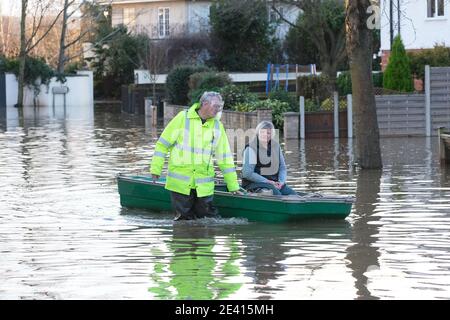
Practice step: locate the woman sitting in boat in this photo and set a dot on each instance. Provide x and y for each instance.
(263, 164)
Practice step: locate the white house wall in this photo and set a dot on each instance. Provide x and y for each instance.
(12, 89)
(81, 91)
(417, 30)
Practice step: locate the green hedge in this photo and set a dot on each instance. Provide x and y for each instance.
(177, 82)
(344, 82)
(283, 96)
(233, 95)
(35, 69)
(206, 81)
(277, 107)
(439, 56)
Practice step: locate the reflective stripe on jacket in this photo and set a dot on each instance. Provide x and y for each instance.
(192, 146)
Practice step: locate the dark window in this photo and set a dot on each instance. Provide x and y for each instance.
(435, 8)
(441, 11)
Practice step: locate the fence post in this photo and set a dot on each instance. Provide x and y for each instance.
(302, 117)
(290, 125)
(427, 102)
(349, 116)
(336, 114)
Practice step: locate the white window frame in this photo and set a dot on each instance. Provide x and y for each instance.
(435, 14)
(163, 22)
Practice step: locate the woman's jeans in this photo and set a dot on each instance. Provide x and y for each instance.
(285, 190)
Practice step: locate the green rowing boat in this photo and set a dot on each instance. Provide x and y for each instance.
(143, 192)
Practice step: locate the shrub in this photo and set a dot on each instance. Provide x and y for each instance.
(177, 82)
(328, 105)
(377, 79)
(398, 72)
(311, 105)
(9, 65)
(313, 87)
(37, 72)
(242, 36)
(277, 107)
(116, 60)
(72, 68)
(344, 82)
(206, 81)
(439, 56)
(234, 95)
(283, 96)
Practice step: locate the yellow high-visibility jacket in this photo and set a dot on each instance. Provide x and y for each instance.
(192, 147)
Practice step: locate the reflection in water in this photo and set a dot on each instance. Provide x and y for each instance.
(193, 265)
(363, 255)
(63, 234)
(289, 253)
(2, 118)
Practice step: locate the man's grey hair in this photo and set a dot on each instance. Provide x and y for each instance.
(209, 96)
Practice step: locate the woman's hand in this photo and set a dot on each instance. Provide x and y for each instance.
(279, 185)
(276, 184)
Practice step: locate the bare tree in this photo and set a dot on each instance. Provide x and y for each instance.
(36, 35)
(328, 38)
(62, 40)
(22, 53)
(70, 7)
(155, 60)
(9, 40)
(359, 48)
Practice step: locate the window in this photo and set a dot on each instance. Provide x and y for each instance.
(435, 8)
(129, 17)
(163, 22)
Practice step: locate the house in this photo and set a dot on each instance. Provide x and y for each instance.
(168, 18)
(421, 24)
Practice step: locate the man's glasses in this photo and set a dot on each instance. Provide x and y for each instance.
(217, 106)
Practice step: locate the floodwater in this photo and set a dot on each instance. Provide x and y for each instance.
(64, 235)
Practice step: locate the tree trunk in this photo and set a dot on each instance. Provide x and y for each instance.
(154, 92)
(62, 40)
(359, 48)
(329, 70)
(22, 55)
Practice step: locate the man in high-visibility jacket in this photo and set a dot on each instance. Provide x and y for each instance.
(193, 138)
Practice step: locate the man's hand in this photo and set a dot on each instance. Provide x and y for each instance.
(237, 192)
(155, 177)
